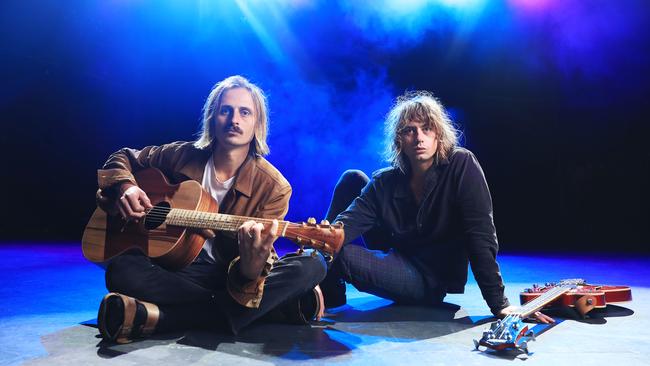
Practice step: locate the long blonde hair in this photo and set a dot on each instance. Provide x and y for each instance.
(419, 106)
(213, 103)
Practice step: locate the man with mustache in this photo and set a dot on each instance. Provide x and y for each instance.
(426, 217)
(234, 280)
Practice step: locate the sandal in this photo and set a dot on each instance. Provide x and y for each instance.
(123, 329)
(312, 305)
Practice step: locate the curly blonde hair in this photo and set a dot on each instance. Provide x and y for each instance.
(213, 103)
(419, 106)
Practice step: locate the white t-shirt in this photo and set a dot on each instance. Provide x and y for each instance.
(217, 190)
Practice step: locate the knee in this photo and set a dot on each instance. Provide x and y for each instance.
(315, 267)
(349, 252)
(309, 268)
(346, 260)
(119, 274)
(352, 179)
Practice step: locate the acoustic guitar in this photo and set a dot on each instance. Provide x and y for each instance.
(512, 333)
(165, 233)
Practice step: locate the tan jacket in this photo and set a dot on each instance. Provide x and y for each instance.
(260, 190)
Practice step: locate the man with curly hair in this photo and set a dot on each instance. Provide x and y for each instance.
(422, 219)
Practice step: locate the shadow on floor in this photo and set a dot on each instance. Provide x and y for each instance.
(340, 333)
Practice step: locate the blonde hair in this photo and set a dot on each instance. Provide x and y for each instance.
(423, 107)
(213, 103)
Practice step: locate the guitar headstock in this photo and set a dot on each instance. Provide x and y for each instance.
(572, 282)
(508, 333)
(322, 236)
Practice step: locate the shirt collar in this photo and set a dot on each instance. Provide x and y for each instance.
(403, 190)
(195, 164)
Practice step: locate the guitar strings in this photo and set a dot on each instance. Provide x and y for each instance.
(163, 212)
(218, 221)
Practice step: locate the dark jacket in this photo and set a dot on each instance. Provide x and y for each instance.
(452, 226)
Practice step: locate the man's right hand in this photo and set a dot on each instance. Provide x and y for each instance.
(132, 202)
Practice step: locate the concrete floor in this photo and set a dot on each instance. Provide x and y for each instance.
(50, 296)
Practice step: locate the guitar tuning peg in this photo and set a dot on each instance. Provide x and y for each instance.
(324, 222)
(524, 347)
(311, 221)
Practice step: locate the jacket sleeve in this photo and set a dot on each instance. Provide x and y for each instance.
(121, 165)
(475, 204)
(243, 291)
(362, 214)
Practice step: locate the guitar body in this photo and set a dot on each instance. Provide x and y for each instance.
(600, 295)
(173, 247)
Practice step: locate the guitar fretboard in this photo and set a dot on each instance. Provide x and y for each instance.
(540, 301)
(209, 220)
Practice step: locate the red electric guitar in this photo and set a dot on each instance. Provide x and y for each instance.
(582, 297)
(512, 333)
(163, 235)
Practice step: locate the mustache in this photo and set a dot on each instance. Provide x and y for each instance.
(232, 127)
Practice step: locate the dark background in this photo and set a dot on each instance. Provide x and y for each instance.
(550, 95)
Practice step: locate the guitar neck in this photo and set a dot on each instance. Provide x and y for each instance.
(216, 221)
(325, 237)
(540, 301)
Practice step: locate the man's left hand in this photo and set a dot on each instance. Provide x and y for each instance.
(255, 247)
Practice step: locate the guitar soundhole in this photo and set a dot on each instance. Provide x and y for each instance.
(156, 216)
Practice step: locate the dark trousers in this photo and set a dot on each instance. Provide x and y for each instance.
(196, 296)
(371, 266)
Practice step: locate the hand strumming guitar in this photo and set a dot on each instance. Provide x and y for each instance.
(132, 202)
(255, 245)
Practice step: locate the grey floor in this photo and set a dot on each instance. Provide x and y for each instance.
(50, 297)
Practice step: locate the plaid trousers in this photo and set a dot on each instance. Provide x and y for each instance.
(386, 273)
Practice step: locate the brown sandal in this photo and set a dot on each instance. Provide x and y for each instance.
(125, 332)
(318, 305)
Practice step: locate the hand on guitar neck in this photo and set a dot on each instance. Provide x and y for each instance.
(539, 316)
(255, 245)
